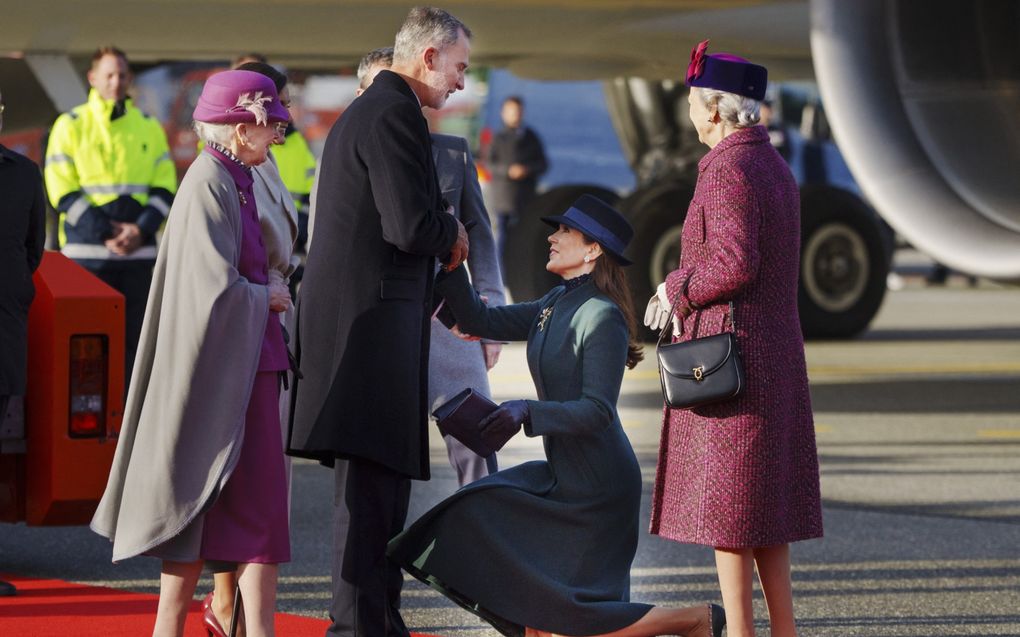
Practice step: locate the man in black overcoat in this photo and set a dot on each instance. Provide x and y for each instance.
(22, 235)
(364, 311)
(516, 159)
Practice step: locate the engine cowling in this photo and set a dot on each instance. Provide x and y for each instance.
(924, 98)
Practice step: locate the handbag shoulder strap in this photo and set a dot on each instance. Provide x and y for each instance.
(672, 311)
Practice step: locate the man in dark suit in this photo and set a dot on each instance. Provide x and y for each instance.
(22, 234)
(455, 362)
(516, 159)
(364, 312)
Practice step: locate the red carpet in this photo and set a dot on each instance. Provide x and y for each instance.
(52, 608)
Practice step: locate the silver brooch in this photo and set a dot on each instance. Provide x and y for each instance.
(546, 313)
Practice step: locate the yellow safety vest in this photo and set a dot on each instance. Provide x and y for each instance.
(297, 168)
(92, 160)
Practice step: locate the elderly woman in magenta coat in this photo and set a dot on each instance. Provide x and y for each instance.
(198, 475)
(742, 475)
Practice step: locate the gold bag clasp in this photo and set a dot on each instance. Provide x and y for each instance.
(699, 372)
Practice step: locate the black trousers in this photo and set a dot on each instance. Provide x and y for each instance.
(369, 507)
(132, 279)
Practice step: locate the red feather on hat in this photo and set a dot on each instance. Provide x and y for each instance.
(697, 65)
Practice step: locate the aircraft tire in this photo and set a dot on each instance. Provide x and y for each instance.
(657, 214)
(844, 264)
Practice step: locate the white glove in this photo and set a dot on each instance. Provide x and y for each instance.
(657, 311)
(663, 296)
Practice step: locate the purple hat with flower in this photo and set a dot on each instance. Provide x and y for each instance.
(235, 97)
(725, 72)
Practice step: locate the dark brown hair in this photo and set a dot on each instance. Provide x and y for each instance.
(279, 79)
(249, 57)
(611, 280)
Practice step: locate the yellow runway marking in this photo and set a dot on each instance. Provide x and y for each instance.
(998, 433)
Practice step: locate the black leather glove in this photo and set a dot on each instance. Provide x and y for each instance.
(504, 423)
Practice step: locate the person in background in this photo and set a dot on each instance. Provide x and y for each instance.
(110, 176)
(199, 470)
(546, 547)
(364, 312)
(279, 222)
(741, 475)
(22, 236)
(454, 363)
(296, 165)
(516, 159)
(777, 134)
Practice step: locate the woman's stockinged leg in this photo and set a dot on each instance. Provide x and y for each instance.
(223, 600)
(774, 574)
(258, 596)
(692, 621)
(176, 589)
(736, 571)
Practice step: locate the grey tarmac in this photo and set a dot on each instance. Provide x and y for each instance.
(918, 425)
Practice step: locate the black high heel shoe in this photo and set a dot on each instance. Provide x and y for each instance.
(718, 619)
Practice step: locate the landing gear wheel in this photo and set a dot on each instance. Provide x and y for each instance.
(657, 214)
(843, 264)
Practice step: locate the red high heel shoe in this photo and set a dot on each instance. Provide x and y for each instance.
(212, 625)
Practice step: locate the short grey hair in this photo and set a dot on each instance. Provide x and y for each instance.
(737, 110)
(222, 134)
(425, 27)
(380, 57)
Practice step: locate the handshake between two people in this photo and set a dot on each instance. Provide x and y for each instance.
(459, 252)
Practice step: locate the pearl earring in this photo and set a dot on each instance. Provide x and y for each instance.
(587, 258)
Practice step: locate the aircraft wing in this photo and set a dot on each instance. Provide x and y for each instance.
(543, 39)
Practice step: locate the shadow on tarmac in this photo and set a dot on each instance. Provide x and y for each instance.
(919, 396)
(942, 334)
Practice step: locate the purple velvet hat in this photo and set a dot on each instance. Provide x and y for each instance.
(234, 97)
(725, 72)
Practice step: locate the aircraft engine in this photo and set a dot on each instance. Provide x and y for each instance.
(924, 100)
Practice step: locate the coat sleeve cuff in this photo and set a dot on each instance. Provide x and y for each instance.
(149, 221)
(530, 430)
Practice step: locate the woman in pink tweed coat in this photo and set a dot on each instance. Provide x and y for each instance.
(742, 475)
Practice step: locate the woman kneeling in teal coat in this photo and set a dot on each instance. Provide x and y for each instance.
(546, 547)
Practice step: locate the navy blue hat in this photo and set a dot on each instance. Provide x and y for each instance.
(599, 221)
(726, 72)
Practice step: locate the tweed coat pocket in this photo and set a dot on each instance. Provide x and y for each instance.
(694, 224)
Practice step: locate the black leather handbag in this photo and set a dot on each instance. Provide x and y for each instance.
(700, 371)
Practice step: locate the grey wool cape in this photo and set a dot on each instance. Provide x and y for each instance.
(547, 545)
(193, 376)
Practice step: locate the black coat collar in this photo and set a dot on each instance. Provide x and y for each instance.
(394, 82)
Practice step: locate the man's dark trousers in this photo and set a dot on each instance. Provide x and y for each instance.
(369, 507)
